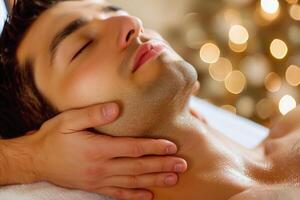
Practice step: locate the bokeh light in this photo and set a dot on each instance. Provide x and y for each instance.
(293, 34)
(255, 68)
(235, 82)
(210, 53)
(269, 6)
(229, 108)
(238, 34)
(295, 12)
(292, 75)
(265, 108)
(219, 70)
(194, 37)
(238, 48)
(245, 106)
(292, 1)
(286, 104)
(273, 82)
(278, 49)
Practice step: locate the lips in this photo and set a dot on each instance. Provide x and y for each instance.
(145, 53)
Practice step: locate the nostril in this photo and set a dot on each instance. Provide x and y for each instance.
(131, 32)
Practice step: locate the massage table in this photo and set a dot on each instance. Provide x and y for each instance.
(235, 127)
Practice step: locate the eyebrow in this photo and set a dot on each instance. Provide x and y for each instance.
(72, 27)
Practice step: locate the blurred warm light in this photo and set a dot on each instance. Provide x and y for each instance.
(265, 108)
(292, 1)
(295, 12)
(278, 48)
(230, 108)
(273, 82)
(235, 82)
(219, 70)
(286, 104)
(269, 6)
(238, 48)
(293, 33)
(238, 34)
(210, 53)
(255, 68)
(245, 106)
(292, 75)
(239, 2)
(262, 18)
(214, 88)
(194, 37)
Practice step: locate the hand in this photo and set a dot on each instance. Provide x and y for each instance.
(275, 192)
(69, 156)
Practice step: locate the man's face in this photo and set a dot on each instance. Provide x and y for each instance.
(99, 58)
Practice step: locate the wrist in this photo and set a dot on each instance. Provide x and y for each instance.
(19, 161)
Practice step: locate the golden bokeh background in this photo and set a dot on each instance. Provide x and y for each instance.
(246, 52)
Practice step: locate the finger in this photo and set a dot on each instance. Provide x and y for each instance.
(137, 147)
(125, 194)
(146, 165)
(80, 119)
(142, 181)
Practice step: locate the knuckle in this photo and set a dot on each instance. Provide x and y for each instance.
(137, 150)
(95, 172)
(133, 182)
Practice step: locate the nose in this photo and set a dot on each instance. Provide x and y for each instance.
(130, 28)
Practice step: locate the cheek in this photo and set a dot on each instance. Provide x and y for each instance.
(88, 85)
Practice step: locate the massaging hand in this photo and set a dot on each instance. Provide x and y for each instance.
(68, 155)
(276, 192)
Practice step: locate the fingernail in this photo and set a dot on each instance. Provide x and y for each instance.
(170, 180)
(179, 167)
(109, 110)
(171, 149)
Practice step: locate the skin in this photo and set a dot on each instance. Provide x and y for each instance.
(33, 158)
(153, 100)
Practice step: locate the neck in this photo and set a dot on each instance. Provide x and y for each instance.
(213, 160)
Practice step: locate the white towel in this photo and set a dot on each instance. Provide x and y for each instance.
(239, 129)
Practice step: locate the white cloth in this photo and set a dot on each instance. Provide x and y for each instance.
(239, 129)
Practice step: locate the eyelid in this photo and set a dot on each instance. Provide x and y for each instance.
(113, 8)
(81, 49)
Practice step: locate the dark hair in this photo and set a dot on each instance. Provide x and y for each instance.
(22, 107)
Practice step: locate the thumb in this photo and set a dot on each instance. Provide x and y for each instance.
(80, 119)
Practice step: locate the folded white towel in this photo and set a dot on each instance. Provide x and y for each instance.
(45, 191)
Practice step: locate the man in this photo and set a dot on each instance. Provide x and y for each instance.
(151, 83)
(69, 129)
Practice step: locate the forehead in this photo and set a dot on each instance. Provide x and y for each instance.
(52, 20)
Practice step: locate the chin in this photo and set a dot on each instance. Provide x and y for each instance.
(144, 107)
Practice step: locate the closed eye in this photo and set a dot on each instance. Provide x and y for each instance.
(81, 50)
(112, 8)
